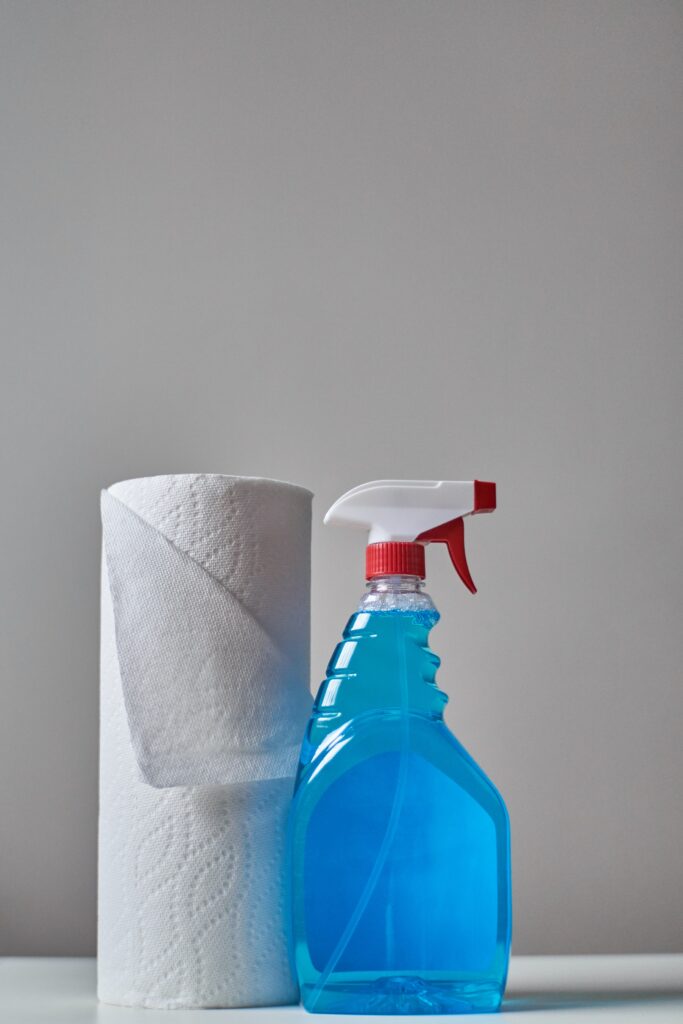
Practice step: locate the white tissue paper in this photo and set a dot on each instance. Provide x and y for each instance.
(204, 699)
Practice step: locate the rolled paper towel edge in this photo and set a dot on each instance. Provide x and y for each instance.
(255, 766)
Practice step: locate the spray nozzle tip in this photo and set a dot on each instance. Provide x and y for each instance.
(484, 496)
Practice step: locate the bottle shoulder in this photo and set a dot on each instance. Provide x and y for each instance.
(424, 740)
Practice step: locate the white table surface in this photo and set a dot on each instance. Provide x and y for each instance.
(542, 990)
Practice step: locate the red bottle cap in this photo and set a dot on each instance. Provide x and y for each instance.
(394, 558)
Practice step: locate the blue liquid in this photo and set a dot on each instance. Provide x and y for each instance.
(399, 844)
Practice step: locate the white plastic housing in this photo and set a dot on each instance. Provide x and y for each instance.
(402, 509)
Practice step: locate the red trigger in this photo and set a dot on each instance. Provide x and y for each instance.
(452, 534)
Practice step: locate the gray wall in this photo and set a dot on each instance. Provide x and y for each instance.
(333, 241)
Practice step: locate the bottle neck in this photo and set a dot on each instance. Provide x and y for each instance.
(395, 583)
(396, 592)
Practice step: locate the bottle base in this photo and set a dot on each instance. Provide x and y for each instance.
(402, 994)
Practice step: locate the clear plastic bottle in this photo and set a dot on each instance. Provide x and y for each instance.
(398, 842)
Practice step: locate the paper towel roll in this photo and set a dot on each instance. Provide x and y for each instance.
(204, 698)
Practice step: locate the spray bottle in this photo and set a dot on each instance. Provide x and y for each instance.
(398, 842)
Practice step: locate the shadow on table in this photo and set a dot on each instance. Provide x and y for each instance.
(527, 1003)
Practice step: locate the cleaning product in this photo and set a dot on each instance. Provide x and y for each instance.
(399, 859)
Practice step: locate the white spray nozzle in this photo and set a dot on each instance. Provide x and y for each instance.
(403, 509)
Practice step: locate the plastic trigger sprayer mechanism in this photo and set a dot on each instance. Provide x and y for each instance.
(404, 515)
